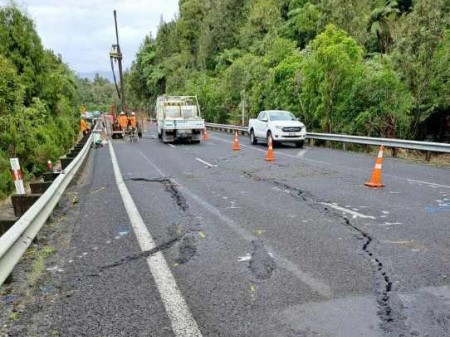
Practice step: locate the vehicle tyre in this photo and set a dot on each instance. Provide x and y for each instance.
(299, 144)
(253, 139)
(159, 136)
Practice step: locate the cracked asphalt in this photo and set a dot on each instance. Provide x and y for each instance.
(298, 247)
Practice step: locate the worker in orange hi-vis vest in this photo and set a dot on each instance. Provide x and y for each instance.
(84, 128)
(132, 120)
(123, 120)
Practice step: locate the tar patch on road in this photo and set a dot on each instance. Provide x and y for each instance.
(261, 263)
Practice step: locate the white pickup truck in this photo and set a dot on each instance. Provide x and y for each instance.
(281, 125)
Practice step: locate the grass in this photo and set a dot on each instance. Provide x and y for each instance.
(39, 264)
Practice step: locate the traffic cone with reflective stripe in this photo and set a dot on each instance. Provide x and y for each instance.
(375, 180)
(236, 146)
(205, 134)
(269, 155)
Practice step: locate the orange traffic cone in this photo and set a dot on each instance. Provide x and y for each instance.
(269, 155)
(205, 135)
(375, 180)
(236, 146)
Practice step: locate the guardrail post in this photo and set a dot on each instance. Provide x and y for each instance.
(427, 155)
(50, 176)
(6, 223)
(21, 203)
(65, 162)
(394, 152)
(40, 187)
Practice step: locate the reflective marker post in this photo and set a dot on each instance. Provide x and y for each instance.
(17, 175)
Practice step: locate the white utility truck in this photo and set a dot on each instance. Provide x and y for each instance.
(281, 125)
(178, 118)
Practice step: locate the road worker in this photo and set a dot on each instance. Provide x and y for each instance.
(123, 120)
(84, 127)
(132, 120)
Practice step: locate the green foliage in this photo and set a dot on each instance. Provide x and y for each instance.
(380, 102)
(38, 96)
(332, 64)
(96, 95)
(419, 40)
(371, 67)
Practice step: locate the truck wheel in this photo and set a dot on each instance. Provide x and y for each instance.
(299, 144)
(159, 136)
(253, 139)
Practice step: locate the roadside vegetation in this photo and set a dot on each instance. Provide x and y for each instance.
(40, 99)
(362, 67)
(39, 114)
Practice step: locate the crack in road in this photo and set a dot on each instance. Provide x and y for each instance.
(170, 187)
(389, 311)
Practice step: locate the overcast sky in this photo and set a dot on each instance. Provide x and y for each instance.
(82, 31)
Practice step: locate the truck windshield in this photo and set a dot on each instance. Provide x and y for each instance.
(282, 116)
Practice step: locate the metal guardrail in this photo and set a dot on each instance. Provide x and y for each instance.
(18, 238)
(394, 143)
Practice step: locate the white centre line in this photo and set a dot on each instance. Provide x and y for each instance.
(171, 145)
(349, 211)
(204, 162)
(183, 324)
(427, 183)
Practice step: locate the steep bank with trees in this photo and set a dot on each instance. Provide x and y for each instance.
(39, 103)
(363, 67)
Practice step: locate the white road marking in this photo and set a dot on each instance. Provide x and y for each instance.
(204, 162)
(183, 324)
(391, 223)
(171, 145)
(301, 154)
(313, 283)
(245, 258)
(427, 183)
(349, 211)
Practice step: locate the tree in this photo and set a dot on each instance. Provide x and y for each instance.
(303, 24)
(379, 24)
(419, 36)
(380, 102)
(331, 64)
(20, 43)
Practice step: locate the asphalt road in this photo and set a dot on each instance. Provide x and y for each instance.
(224, 243)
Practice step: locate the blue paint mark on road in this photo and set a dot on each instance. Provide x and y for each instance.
(440, 208)
(123, 230)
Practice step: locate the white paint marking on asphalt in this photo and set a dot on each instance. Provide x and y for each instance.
(427, 183)
(314, 284)
(171, 145)
(349, 211)
(301, 154)
(183, 324)
(391, 223)
(204, 162)
(245, 258)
